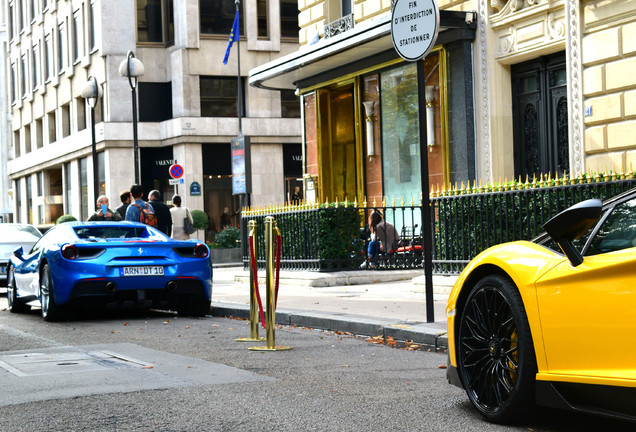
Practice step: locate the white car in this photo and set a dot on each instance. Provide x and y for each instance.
(12, 236)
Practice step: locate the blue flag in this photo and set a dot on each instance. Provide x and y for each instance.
(234, 37)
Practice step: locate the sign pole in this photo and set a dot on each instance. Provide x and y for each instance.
(414, 29)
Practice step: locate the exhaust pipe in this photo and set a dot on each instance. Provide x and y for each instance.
(111, 287)
(172, 286)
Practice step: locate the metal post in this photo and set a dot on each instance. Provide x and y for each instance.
(427, 228)
(135, 140)
(270, 316)
(239, 93)
(94, 151)
(253, 302)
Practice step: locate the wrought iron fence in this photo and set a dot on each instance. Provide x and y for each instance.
(333, 237)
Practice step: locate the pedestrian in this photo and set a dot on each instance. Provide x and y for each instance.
(179, 214)
(384, 237)
(103, 212)
(226, 218)
(162, 211)
(125, 198)
(297, 196)
(133, 212)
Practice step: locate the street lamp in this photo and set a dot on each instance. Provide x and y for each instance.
(92, 91)
(131, 68)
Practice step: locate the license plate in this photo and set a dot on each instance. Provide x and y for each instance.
(142, 271)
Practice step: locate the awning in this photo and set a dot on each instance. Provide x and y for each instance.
(365, 40)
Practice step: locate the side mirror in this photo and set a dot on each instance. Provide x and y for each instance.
(18, 252)
(571, 224)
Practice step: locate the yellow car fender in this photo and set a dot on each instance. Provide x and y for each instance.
(524, 262)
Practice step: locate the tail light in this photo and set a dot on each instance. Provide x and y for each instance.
(69, 251)
(201, 250)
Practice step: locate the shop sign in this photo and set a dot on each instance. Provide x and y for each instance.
(414, 28)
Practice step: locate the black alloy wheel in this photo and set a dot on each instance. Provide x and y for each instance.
(496, 357)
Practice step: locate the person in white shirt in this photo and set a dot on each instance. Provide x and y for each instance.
(178, 214)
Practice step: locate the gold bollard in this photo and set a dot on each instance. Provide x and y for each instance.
(253, 302)
(270, 316)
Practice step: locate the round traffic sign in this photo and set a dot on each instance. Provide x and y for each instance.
(176, 171)
(414, 27)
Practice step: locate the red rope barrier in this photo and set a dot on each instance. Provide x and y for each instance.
(255, 273)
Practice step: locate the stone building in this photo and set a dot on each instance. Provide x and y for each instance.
(187, 102)
(513, 88)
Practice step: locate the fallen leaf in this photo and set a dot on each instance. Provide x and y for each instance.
(187, 327)
(148, 367)
(442, 367)
(125, 324)
(345, 365)
(166, 322)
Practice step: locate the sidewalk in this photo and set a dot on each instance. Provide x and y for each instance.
(365, 302)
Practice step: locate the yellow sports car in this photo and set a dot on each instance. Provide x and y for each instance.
(553, 321)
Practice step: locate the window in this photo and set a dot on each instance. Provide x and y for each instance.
(155, 21)
(78, 35)
(22, 15)
(345, 6)
(29, 197)
(18, 200)
(400, 132)
(101, 173)
(33, 8)
(80, 103)
(35, 67)
(91, 32)
(40, 190)
(155, 101)
(68, 197)
(618, 230)
(51, 123)
(262, 22)
(14, 83)
(66, 120)
(48, 58)
(11, 21)
(218, 96)
(39, 133)
(16, 143)
(289, 19)
(23, 76)
(27, 139)
(61, 48)
(218, 17)
(289, 104)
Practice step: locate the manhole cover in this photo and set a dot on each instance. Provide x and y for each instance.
(40, 363)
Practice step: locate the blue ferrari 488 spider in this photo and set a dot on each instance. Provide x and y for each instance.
(116, 265)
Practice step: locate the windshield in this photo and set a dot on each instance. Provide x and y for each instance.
(7, 230)
(111, 232)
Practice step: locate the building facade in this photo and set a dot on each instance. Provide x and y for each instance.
(187, 102)
(513, 89)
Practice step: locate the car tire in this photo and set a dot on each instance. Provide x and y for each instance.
(15, 305)
(495, 352)
(50, 310)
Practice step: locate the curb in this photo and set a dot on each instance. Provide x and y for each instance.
(433, 335)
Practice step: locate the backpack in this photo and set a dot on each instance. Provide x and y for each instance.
(146, 215)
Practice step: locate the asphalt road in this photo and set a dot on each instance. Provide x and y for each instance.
(154, 371)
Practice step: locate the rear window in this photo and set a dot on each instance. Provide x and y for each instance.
(110, 232)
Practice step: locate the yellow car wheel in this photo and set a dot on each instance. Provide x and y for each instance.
(496, 358)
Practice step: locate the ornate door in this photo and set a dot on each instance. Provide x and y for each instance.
(540, 117)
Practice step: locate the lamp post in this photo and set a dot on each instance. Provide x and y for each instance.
(132, 68)
(92, 91)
